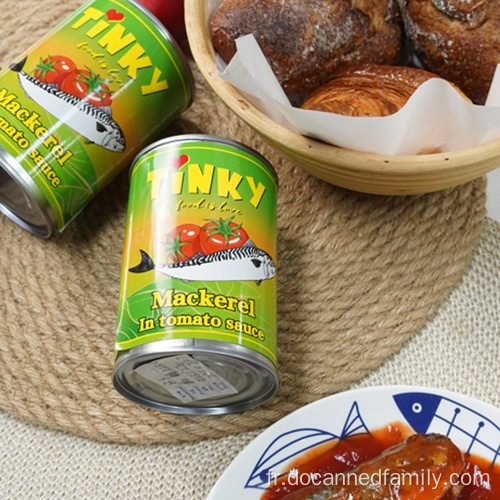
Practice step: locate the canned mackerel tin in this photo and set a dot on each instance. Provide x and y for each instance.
(80, 104)
(196, 327)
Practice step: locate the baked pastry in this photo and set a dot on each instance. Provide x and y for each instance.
(457, 39)
(305, 41)
(369, 90)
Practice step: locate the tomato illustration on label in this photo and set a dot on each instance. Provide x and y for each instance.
(67, 103)
(53, 69)
(85, 84)
(222, 234)
(183, 242)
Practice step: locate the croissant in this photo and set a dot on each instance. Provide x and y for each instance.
(305, 41)
(459, 40)
(369, 90)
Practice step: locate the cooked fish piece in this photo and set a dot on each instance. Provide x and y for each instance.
(421, 468)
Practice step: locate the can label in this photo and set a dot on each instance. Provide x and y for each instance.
(199, 258)
(80, 104)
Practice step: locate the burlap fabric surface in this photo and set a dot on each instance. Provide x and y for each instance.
(358, 276)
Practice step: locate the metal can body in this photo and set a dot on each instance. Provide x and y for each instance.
(197, 316)
(80, 104)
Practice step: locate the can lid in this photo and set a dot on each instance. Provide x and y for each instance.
(21, 199)
(195, 377)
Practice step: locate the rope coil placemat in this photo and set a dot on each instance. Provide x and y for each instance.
(358, 275)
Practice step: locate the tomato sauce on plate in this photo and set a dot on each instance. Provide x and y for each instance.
(312, 469)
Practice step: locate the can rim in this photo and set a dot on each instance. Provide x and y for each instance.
(30, 189)
(144, 353)
(168, 36)
(203, 138)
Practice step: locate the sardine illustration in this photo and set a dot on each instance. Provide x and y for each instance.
(247, 263)
(294, 443)
(84, 118)
(474, 432)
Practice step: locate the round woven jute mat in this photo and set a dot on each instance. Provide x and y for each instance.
(358, 275)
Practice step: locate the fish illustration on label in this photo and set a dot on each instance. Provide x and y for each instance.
(465, 426)
(246, 263)
(91, 122)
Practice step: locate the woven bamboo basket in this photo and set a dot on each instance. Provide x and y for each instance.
(364, 172)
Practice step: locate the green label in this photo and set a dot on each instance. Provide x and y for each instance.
(79, 105)
(199, 259)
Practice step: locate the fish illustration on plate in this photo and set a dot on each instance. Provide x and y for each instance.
(245, 263)
(294, 443)
(94, 123)
(465, 426)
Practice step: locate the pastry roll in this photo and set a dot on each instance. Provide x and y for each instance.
(369, 90)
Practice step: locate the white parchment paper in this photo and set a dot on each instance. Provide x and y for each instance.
(436, 118)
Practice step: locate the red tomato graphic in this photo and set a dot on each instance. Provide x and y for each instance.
(221, 234)
(183, 242)
(54, 69)
(85, 84)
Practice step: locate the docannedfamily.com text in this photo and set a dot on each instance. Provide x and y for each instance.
(379, 478)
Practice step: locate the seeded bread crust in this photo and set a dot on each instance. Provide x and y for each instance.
(305, 41)
(457, 39)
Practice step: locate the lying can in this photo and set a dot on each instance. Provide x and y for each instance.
(80, 104)
(196, 330)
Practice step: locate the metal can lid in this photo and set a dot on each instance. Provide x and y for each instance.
(21, 200)
(195, 377)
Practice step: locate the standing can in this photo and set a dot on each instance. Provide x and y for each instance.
(196, 330)
(78, 106)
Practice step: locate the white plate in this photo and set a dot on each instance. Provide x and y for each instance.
(473, 425)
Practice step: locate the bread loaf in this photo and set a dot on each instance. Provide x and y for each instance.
(457, 39)
(368, 90)
(305, 41)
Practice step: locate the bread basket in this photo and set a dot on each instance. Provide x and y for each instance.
(358, 171)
